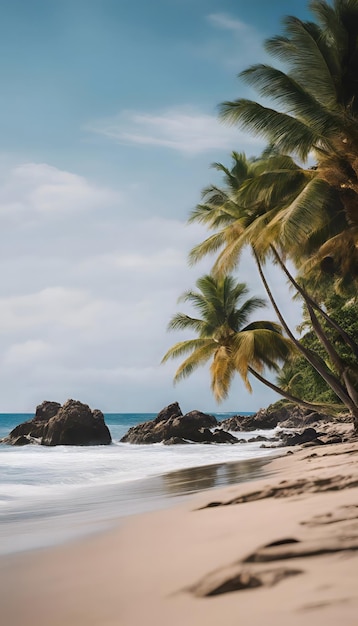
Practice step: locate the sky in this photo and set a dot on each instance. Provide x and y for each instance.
(109, 125)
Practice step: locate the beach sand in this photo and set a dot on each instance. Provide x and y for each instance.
(209, 561)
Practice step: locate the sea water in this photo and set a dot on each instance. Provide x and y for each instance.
(53, 494)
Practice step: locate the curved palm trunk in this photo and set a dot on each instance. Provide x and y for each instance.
(310, 301)
(339, 364)
(330, 379)
(286, 394)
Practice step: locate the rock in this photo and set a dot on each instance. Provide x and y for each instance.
(174, 441)
(299, 417)
(46, 410)
(333, 439)
(172, 426)
(259, 438)
(261, 420)
(23, 440)
(314, 442)
(221, 436)
(172, 410)
(76, 424)
(287, 416)
(308, 435)
(72, 424)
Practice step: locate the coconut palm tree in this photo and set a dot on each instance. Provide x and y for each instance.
(225, 337)
(317, 116)
(243, 216)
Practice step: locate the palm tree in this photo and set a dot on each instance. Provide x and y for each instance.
(317, 116)
(243, 211)
(225, 337)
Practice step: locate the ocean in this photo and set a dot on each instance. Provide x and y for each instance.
(49, 495)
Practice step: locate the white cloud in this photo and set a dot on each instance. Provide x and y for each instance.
(27, 353)
(39, 188)
(222, 20)
(85, 301)
(183, 129)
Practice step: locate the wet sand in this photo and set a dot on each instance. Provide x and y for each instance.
(282, 550)
(99, 509)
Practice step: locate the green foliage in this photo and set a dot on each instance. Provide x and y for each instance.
(299, 377)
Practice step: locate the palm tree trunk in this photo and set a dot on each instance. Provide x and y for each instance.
(310, 301)
(285, 394)
(330, 379)
(332, 353)
(334, 356)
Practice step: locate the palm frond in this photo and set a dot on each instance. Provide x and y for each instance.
(275, 84)
(199, 357)
(222, 371)
(180, 321)
(210, 245)
(183, 347)
(287, 133)
(240, 316)
(308, 59)
(297, 221)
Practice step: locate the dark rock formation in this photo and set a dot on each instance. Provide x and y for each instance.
(172, 427)
(294, 439)
(174, 441)
(73, 424)
(310, 437)
(286, 416)
(260, 438)
(172, 410)
(32, 430)
(221, 436)
(297, 417)
(46, 410)
(261, 420)
(76, 424)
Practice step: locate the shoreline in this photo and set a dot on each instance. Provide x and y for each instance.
(168, 566)
(105, 507)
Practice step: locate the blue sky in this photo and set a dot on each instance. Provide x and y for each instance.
(108, 127)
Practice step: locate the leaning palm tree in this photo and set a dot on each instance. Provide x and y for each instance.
(317, 116)
(225, 337)
(256, 191)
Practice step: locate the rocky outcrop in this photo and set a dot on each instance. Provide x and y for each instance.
(172, 427)
(76, 424)
(73, 424)
(308, 435)
(285, 416)
(261, 420)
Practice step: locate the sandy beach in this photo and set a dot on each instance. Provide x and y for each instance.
(279, 550)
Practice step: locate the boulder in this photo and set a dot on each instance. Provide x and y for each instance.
(298, 417)
(73, 424)
(221, 436)
(175, 441)
(259, 438)
(333, 439)
(171, 427)
(260, 421)
(76, 424)
(172, 410)
(46, 410)
(27, 432)
(287, 416)
(294, 439)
